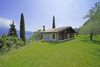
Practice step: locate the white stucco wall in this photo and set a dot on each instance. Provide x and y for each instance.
(49, 37)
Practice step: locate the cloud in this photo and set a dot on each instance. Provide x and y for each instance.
(5, 22)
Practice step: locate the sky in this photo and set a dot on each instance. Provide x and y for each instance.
(40, 12)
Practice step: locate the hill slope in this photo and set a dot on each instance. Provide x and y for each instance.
(91, 25)
(75, 53)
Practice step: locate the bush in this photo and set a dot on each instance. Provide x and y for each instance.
(37, 35)
(6, 42)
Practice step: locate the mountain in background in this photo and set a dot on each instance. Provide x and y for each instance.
(5, 31)
(4, 27)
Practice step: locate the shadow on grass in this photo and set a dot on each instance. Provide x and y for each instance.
(93, 42)
(54, 43)
(58, 42)
(96, 42)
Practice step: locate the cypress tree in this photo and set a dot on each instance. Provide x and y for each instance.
(12, 30)
(53, 25)
(22, 28)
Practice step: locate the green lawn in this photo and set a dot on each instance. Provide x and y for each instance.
(79, 52)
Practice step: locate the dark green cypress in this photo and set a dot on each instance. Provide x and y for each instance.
(12, 30)
(22, 28)
(53, 25)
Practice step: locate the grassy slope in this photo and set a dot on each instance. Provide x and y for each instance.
(76, 53)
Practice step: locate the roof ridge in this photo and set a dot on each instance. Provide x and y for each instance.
(57, 29)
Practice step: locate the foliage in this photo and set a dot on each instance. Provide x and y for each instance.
(9, 41)
(22, 28)
(92, 25)
(80, 52)
(12, 30)
(37, 35)
(94, 10)
(77, 30)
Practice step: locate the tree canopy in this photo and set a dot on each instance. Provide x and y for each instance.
(92, 25)
(12, 30)
(22, 28)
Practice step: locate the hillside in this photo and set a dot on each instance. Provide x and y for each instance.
(79, 52)
(91, 25)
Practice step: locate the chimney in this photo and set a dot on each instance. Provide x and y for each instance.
(53, 24)
(43, 28)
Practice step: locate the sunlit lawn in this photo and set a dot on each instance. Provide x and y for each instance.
(79, 52)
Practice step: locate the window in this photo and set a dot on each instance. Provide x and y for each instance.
(53, 36)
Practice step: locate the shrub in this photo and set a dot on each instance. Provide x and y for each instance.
(6, 42)
(37, 35)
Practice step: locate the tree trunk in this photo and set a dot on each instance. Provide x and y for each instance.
(91, 36)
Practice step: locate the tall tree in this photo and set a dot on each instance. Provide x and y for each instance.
(94, 13)
(12, 30)
(22, 28)
(53, 25)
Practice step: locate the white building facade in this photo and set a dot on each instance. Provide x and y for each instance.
(58, 34)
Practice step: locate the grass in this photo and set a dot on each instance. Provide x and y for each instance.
(79, 52)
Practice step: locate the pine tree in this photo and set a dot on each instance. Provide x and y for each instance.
(53, 25)
(12, 30)
(22, 28)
